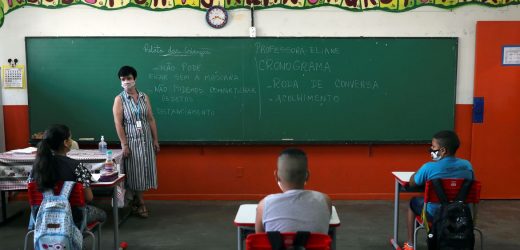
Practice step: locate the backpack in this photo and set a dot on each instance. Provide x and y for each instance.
(55, 228)
(452, 226)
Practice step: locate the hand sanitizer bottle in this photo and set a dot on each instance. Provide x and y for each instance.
(102, 145)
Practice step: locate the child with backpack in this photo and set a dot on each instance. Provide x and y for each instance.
(52, 166)
(444, 165)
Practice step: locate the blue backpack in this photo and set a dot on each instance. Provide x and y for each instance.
(55, 228)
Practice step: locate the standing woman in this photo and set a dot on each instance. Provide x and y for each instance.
(52, 165)
(137, 133)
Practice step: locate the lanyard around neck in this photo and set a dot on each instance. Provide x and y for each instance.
(135, 107)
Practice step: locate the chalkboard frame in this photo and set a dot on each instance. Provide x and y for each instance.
(262, 142)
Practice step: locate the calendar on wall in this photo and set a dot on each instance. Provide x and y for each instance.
(13, 77)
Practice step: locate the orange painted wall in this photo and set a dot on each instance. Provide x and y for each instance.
(495, 154)
(16, 126)
(246, 172)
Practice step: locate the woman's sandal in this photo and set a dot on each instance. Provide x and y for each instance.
(135, 207)
(142, 211)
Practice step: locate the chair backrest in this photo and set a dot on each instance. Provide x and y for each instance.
(260, 241)
(451, 189)
(76, 198)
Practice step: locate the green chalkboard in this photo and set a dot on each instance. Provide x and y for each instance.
(225, 90)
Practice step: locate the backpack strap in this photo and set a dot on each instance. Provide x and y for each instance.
(48, 193)
(66, 189)
(439, 190)
(464, 190)
(424, 218)
(300, 241)
(276, 240)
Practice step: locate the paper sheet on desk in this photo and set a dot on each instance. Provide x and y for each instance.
(94, 167)
(95, 177)
(29, 150)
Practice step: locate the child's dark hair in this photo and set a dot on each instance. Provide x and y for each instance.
(294, 153)
(449, 140)
(44, 168)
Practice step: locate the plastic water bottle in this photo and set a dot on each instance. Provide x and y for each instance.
(109, 163)
(102, 145)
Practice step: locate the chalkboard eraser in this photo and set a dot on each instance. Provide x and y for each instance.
(85, 139)
(287, 139)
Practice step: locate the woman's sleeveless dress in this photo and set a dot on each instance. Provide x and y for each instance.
(140, 166)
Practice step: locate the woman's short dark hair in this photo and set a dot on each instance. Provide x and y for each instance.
(126, 71)
(449, 140)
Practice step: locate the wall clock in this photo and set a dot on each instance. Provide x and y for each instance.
(217, 17)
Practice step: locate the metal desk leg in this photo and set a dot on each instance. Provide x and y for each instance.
(239, 238)
(332, 234)
(115, 212)
(4, 207)
(395, 239)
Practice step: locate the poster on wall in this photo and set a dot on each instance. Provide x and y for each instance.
(13, 77)
(511, 55)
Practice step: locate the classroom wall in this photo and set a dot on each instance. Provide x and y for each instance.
(2, 133)
(499, 86)
(246, 172)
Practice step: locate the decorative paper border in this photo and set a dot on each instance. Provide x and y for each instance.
(7, 6)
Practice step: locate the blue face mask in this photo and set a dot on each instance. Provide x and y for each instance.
(435, 154)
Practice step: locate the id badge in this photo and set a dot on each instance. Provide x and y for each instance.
(138, 125)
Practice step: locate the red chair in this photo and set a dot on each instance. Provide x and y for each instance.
(260, 241)
(451, 189)
(76, 199)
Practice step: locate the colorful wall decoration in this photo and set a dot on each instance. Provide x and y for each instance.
(7, 6)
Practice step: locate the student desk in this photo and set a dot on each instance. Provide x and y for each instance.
(15, 169)
(115, 209)
(401, 185)
(245, 221)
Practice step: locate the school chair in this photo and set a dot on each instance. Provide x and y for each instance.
(451, 188)
(260, 241)
(76, 200)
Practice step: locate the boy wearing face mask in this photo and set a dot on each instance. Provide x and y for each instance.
(295, 209)
(444, 164)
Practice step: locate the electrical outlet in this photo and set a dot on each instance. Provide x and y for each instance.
(252, 32)
(239, 172)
